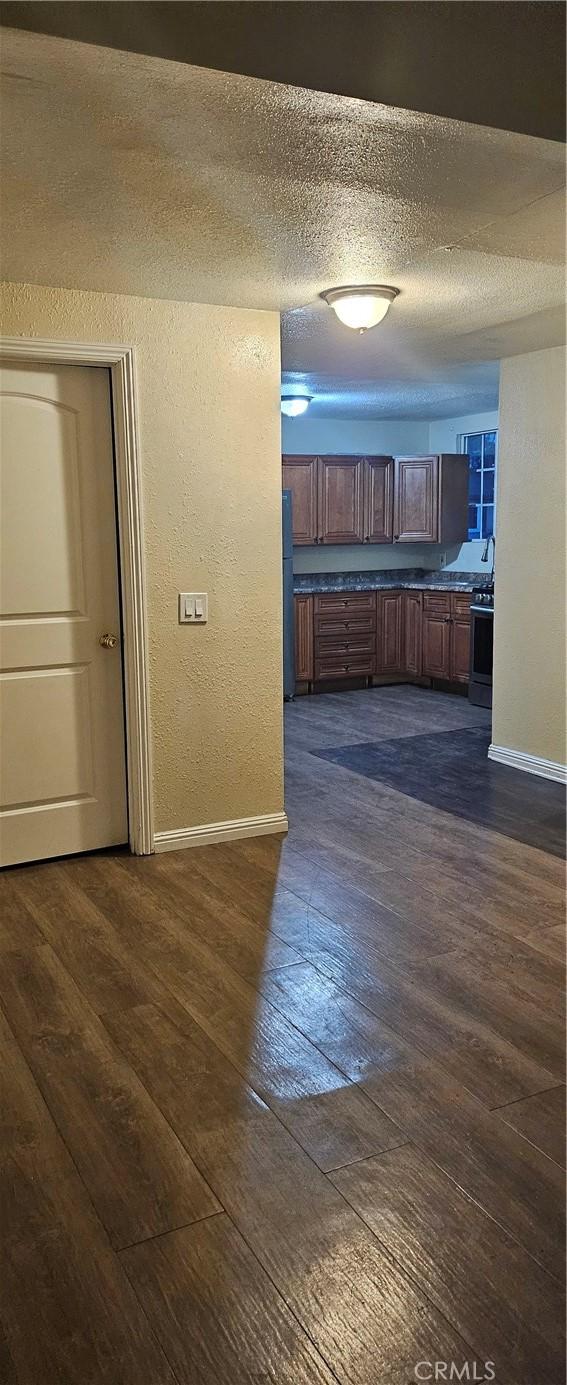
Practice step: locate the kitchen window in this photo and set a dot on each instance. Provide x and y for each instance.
(481, 449)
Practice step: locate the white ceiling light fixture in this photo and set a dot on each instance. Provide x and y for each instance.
(295, 404)
(360, 306)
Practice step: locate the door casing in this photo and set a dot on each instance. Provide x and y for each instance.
(121, 363)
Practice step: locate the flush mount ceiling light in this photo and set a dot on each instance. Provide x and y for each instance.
(295, 404)
(360, 306)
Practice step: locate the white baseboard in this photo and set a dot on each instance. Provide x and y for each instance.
(531, 764)
(212, 832)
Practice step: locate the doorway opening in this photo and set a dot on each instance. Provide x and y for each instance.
(386, 558)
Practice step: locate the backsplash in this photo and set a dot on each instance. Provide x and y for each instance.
(362, 558)
(377, 557)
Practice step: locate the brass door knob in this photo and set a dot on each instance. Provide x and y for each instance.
(108, 641)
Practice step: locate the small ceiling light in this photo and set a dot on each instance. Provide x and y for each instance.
(360, 306)
(295, 404)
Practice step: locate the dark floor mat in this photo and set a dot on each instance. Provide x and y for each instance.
(450, 770)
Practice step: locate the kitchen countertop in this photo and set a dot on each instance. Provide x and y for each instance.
(318, 583)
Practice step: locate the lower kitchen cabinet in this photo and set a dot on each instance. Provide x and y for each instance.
(436, 642)
(399, 633)
(460, 637)
(303, 639)
(446, 636)
(345, 660)
(344, 635)
(406, 634)
(413, 633)
(390, 632)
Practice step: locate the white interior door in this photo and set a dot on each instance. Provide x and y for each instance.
(62, 767)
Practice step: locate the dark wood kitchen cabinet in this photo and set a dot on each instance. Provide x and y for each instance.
(399, 633)
(415, 505)
(344, 635)
(303, 639)
(436, 638)
(340, 499)
(299, 475)
(378, 499)
(460, 637)
(446, 636)
(390, 632)
(413, 633)
(431, 498)
(348, 499)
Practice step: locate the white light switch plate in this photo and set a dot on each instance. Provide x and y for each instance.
(193, 608)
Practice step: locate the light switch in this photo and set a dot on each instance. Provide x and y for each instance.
(193, 608)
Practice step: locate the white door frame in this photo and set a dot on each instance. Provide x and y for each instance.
(120, 361)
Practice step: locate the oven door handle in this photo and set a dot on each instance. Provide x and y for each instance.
(482, 610)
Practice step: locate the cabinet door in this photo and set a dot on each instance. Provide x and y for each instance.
(378, 499)
(460, 637)
(390, 631)
(303, 639)
(416, 500)
(435, 639)
(340, 499)
(299, 475)
(412, 633)
(460, 650)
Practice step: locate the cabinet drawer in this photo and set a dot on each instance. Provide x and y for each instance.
(328, 626)
(335, 602)
(438, 603)
(461, 605)
(331, 648)
(344, 666)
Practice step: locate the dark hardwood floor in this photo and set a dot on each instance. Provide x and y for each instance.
(293, 1110)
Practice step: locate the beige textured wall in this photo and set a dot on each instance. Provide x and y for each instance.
(209, 388)
(529, 632)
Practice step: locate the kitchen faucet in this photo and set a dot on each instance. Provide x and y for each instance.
(486, 550)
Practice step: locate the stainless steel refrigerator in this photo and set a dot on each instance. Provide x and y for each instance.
(288, 613)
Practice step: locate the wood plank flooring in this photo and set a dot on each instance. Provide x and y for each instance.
(292, 1110)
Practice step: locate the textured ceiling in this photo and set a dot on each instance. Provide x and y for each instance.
(448, 393)
(137, 175)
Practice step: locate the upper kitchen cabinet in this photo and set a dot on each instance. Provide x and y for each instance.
(351, 499)
(378, 499)
(415, 505)
(341, 499)
(430, 499)
(300, 477)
